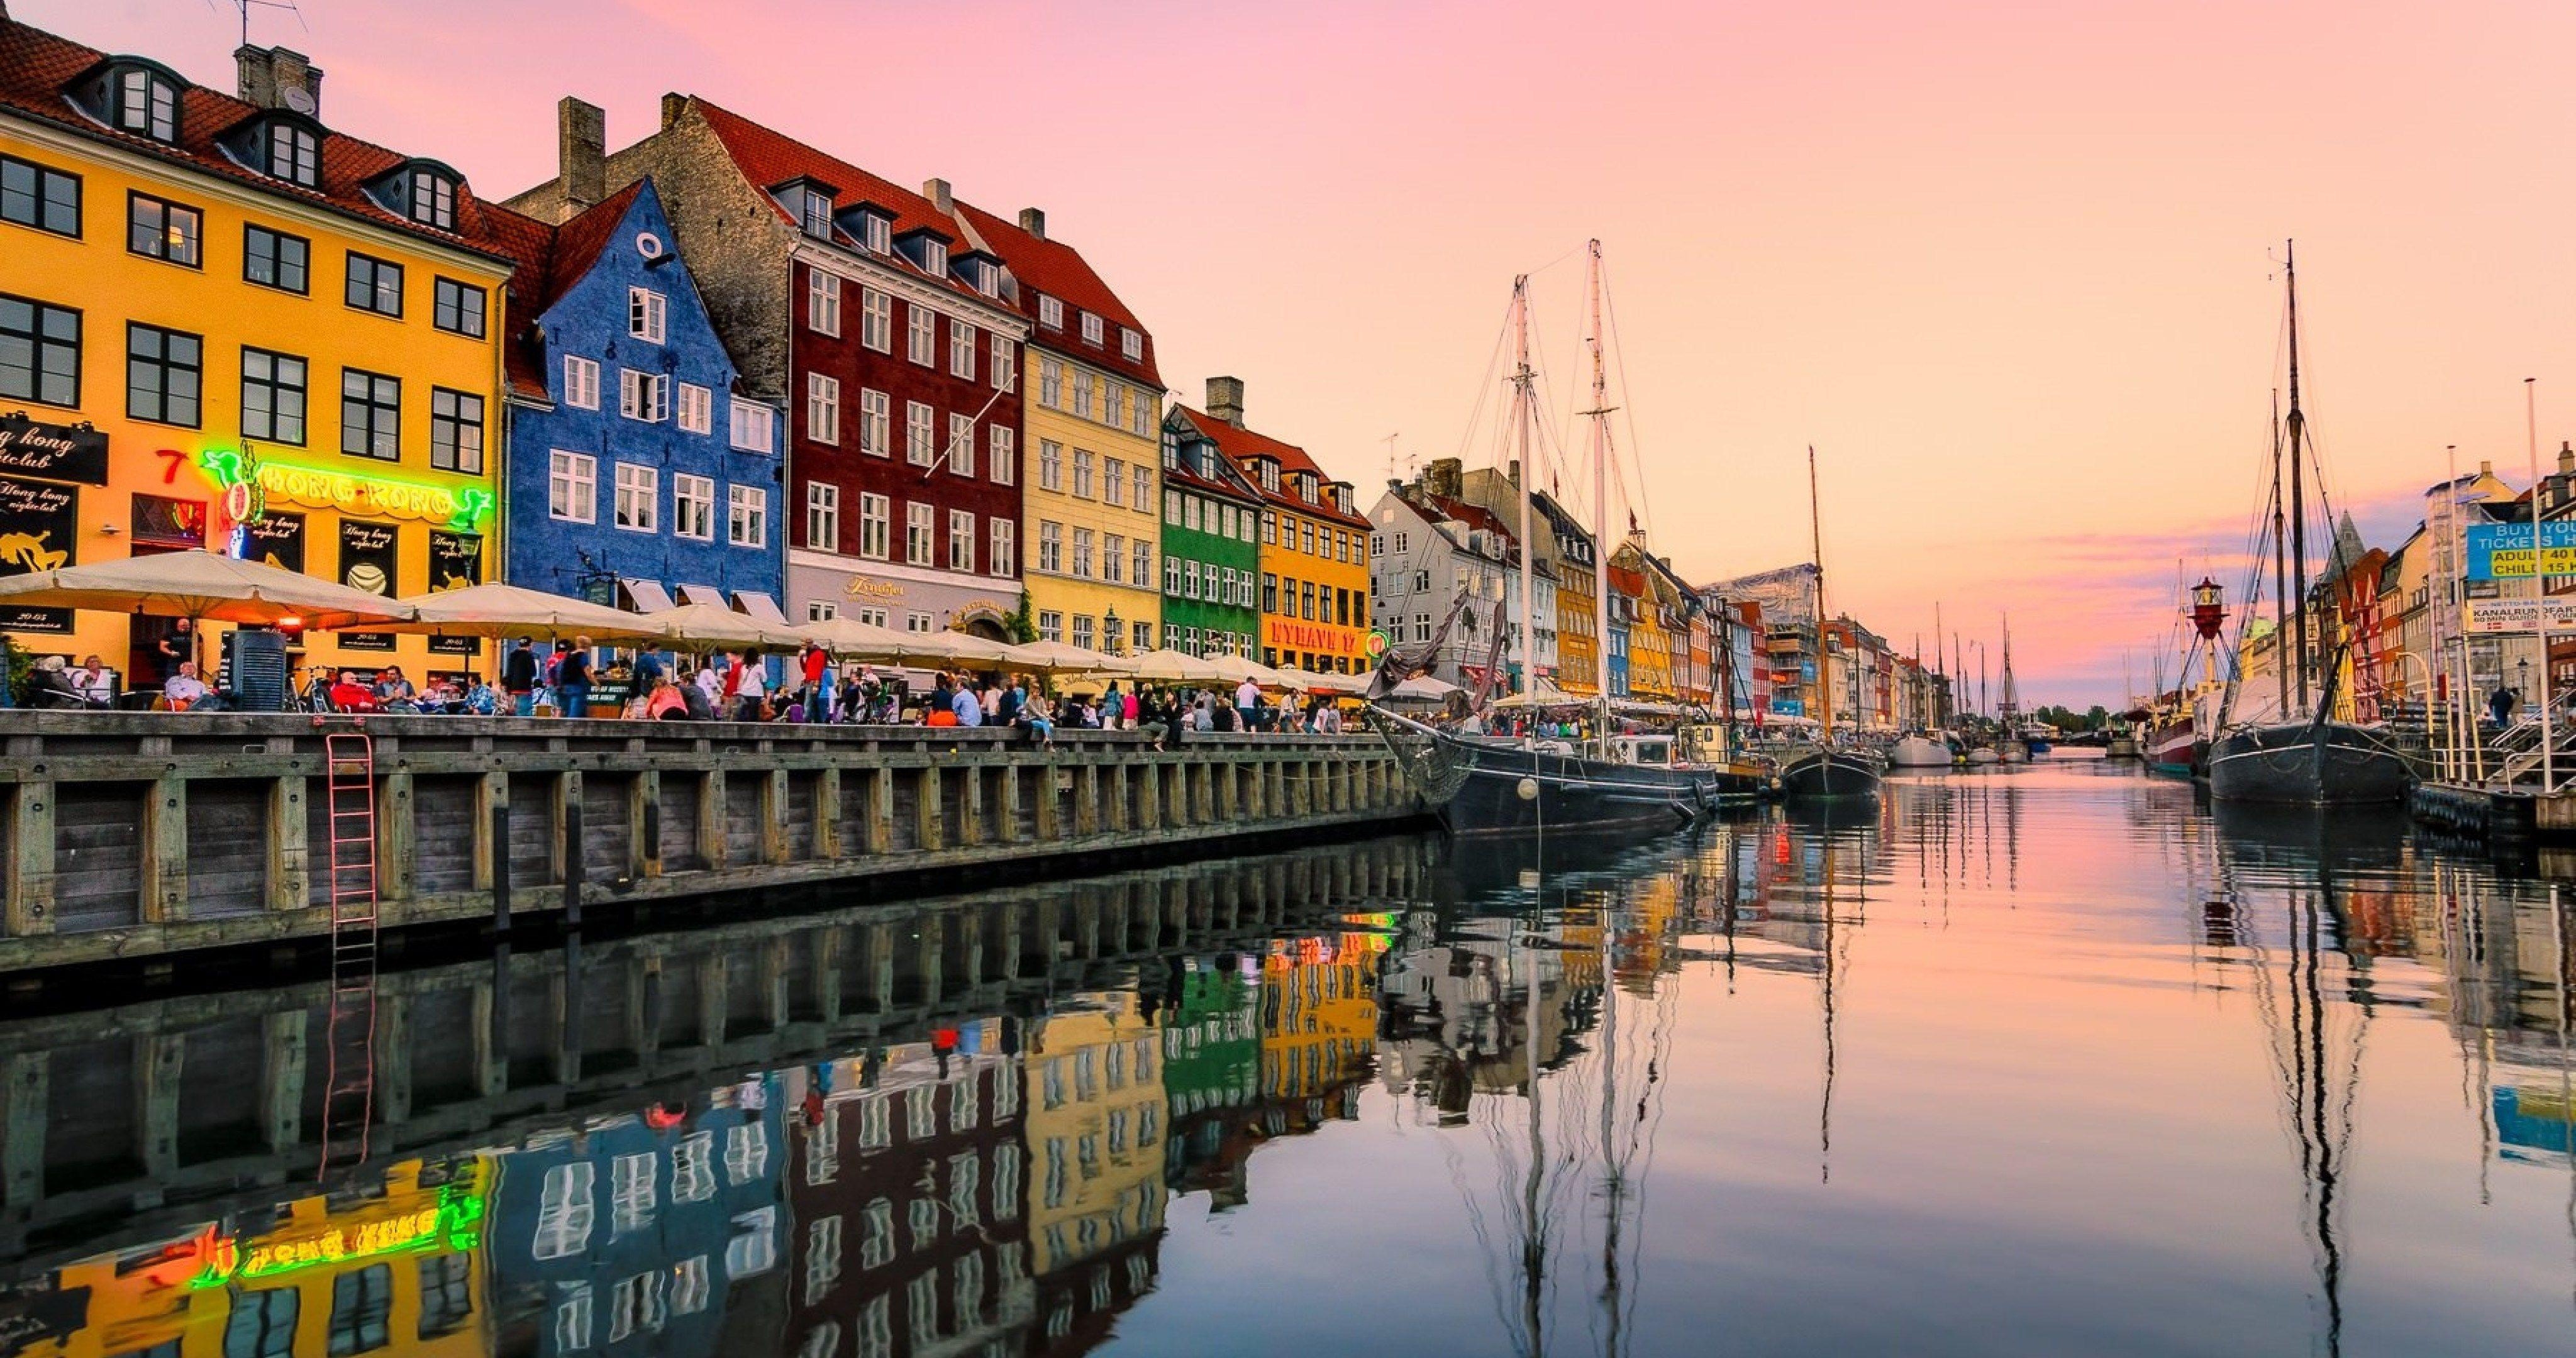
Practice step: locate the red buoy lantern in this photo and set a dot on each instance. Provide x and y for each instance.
(2207, 613)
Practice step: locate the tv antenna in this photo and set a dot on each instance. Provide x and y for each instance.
(244, 7)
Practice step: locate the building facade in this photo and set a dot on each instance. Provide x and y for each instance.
(1498, 492)
(882, 323)
(635, 474)
(1576, 569)
(224, 325)
(1431, 552)
(1314, 608)
(1211, 547)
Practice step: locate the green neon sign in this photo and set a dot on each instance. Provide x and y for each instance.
(467, 507)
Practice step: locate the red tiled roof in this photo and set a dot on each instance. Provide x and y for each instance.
(1060, 271)
(769, 158)
(1626, 581)
(1472, 515)
(38, 68)
(1243, 444)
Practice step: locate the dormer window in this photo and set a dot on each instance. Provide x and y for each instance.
(876, 233)
(1269, 476)
(986, 276)
(934, 261)
(1092, 329)
(433, 200)
(1131, 344)
(818, 216)
(294, 154)
(809, 204)
(1050, 312)
(145, 102)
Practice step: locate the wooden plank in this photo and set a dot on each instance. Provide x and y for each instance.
(711, 818)
(22, 1143)
(31, 852)
(774, 830)
(397, 837)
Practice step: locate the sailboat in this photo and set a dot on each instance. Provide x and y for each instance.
(1481, 785)
(2008, 733)
(1823, 769)
(1920, 748)
(2302, 756)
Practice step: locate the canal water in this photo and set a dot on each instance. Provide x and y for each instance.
(2034, 1060)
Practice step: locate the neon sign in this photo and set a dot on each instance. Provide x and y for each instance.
(453, 1224)
(330, 488)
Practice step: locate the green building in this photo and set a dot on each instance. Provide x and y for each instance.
(1211, 1075)
(1211, 551)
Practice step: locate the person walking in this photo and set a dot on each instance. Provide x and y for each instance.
(817, 664)
(751, 687)
(519, 678)
(572, 679)
(1113, 707)
(2501, 703)
(1247, 702)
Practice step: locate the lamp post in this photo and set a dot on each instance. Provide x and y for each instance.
(1110, 623)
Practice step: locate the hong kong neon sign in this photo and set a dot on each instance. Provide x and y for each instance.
(466, 507)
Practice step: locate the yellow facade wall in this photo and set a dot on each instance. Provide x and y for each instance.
(1095, 1132)
(111, 287)
(1053, 499)
(1289, 635)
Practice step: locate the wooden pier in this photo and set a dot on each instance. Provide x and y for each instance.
(136, 835)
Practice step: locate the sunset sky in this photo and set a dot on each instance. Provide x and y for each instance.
(2008, 265)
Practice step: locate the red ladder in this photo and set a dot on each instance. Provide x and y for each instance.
(349, 1088)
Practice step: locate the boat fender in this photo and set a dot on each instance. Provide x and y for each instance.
(1528, 789)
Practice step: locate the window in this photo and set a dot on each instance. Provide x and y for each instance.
(455, 431)
(360, 1303)
(1002, 555)
(1144, 640)
(1172, 576)
(1306, 532)
(1002, 453)
(919, 526)
(693, 507)
(446, 1293)
(39, 196)
(1113, 559)
(1190, 513)
(1050, 384)
(274, 259)
(146, 103)
(822, 1258)
(566, 1209)
(876, 320)
(823, 516)
(1401, 541)
(747, 516)
(1082, 395)
(272, 396)
(754, 1248)
(433, 199)
(457, 308)
(921, 338)
(1421, 627)
(961, 540)
(162, 375)
(1050, 625)
(1140, 411)
(375, 285)
(961, 445)
(876, 233)
(1172, 508)
(262, 1324)
(1082, 636)
(1111, 395)
(1050, 546)
(572, 487)
(1005, 368)
(1269, 527)
(1190, 581)
(876, 526)
(817, 610)
(1050, 313)
(920, 434)
(876, 423)
(1113, 481)
(1421, 582)
(159, 229)
(1081, 474)
(295, 154)
(581, 382)
(1269, 592)
(1306, 601)
(961, 350)
(1082, 553)
(643, 396)
(1270, 476)
(822, 302)
(1130, 343)
(746, 1159)
(1091, 329)
(1050, 465)
(697, 409)
(917, 622)
(814, 214)
(647, 315)
(822, 408)
(639, 497)
(752, 427)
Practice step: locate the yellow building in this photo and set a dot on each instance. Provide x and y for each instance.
(1095, 1132)
(1652, 635)
(224, 325)
(1314, 543)
(1318, 1014)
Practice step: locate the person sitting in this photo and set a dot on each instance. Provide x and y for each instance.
(48, 687)
(968, 706)
(394, 693)
(666, 702)
(348, 695)
(184, 689)
(480, 700)
(1038, 717)
(697, 695)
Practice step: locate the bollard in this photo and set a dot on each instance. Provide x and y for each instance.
(501, 867)
(572, 863)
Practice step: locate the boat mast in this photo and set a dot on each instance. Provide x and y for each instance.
(2280, 576)
(1524, 395)
(1824, 655)
(1599, 414)
(2292, 429)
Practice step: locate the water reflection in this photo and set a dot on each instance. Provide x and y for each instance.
(2005, 1062)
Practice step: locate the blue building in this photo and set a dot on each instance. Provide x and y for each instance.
(636, 475)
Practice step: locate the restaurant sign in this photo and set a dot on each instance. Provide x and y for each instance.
(1287, 634)
(38, 523)
(56, 452)
(350, 492)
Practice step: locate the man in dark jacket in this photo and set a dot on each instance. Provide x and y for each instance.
(572, 679)
(519, 678)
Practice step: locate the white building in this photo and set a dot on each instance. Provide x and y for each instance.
(1430, 552)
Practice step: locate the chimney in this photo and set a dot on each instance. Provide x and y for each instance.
(1033, 221)
(672, 106)
(1513, 475)
(2566, 453)
(1442, 476)
(936, 190)
(1225, 399)
(581, 155)
(2485, 468)
(278, 77)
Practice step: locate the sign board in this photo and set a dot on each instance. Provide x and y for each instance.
(2492, 617)
(56, 452)
(2503, 551)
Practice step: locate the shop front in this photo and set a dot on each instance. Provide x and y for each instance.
(1317, 646)
(899, 598)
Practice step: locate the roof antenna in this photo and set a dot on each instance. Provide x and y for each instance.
(244, 7)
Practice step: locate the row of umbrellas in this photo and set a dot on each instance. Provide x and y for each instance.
(209, 586)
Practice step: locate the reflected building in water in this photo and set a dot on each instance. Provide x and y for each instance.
(1095, 1194)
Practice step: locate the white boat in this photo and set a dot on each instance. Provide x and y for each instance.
(1984, 755)
(1920, 752)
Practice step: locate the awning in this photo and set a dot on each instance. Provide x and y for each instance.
(646, 596)
(709, 595)
(758, 605)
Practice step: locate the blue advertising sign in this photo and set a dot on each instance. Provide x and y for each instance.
(2502, 551)
(1789, 707)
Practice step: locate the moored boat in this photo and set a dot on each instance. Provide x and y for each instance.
(1830, 771)
(1921, 752)
(2308, 763)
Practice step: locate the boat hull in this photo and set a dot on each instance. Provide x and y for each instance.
(1829, 773)
(1571, 793)
(1919, 752)
(2307, 764)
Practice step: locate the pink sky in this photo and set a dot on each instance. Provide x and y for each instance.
(2005, 264)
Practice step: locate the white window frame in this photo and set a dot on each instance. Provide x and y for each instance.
(920, 533)
(876, 423)
(1050, 465)
(648, 315)
(754, 427)
(921, 335)
(1142, 550)
(1094, 330)
(643, 396)
(1113, 480)
(961, 541)
(1113, 558)
(690, 491)
(1002, 553)
(1005, 364)
(1002, 454)
(823, 408)
(1050, 312)
(1050, 547)
(823, 302)
(960, 451)
(876, 320)
(581, 382)
(637, 507)
(876, 526)
(697, 409)
(747, 516)
(1081, 563)
(577, 476)
(1082, 461)
(961, 349)
(822, 516)
(1050, 384)
(920, 434)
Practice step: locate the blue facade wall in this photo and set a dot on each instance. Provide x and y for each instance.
(589, 318)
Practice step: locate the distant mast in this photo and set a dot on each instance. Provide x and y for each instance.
(1599, 414)
(2293, 427)
(1824, 658)
(1525, 396)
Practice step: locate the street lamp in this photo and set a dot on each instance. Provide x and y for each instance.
(2522, 680)
(1110, 622)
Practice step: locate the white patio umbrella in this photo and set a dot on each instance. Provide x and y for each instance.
(206, 586)
(497, 610)
(1167, 667)
(851, 639)
(956, 648)
(699, 626)
(1422, 688)
(1234, 669)
(1063, 657)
